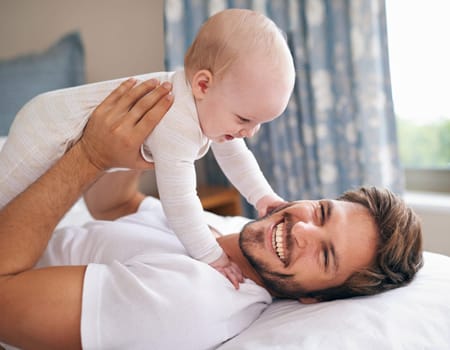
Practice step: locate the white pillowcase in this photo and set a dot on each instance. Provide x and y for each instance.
(413, 317)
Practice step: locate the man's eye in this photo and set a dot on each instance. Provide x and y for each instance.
(325, 258)
(322, 213)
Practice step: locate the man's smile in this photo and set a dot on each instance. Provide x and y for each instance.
(278, 243)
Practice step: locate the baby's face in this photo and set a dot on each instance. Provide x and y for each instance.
(247, 96)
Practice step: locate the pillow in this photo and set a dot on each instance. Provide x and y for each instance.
(23, 77)
(413, 317)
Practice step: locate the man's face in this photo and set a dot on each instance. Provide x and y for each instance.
(310, 245)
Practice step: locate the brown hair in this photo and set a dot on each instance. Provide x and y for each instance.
(399, 251)
(231, 34)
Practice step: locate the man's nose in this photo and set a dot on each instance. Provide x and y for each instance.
(303, 235)
(249, 132)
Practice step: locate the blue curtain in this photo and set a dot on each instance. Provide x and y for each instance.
(339, 130)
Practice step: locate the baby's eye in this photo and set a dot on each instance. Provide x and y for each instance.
(243, 120)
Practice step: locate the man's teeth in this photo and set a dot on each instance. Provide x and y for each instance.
(277, 241)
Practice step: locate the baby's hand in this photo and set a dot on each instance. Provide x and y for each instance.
(267, 204)
(229, 269)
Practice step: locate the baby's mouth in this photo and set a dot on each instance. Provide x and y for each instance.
(278, 242)
(229, 137)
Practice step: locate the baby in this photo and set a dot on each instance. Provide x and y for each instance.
(238, 74)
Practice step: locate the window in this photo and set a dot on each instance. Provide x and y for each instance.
(419, 57)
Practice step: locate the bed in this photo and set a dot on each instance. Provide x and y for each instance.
(413, 317)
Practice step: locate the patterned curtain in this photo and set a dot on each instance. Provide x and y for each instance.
(339, 130)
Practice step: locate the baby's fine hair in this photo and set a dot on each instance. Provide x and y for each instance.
(230, 35)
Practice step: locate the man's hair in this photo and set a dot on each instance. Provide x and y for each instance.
(399, 249)
(231, 34)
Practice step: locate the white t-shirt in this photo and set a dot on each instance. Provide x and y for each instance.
(46, 126)
(142, 291)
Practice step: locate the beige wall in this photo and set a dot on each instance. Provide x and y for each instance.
(434, 211)
(121, 38)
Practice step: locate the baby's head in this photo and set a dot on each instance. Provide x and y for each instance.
(241, 73)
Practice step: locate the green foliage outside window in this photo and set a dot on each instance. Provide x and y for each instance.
(424, 145)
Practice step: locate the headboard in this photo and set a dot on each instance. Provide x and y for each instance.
(23, 77)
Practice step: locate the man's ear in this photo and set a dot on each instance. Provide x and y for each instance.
(201, 82)
(308, 300)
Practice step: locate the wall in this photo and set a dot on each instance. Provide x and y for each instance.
(121, 38)
(434, 211)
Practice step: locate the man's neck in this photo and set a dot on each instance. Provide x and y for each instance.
(230, 244)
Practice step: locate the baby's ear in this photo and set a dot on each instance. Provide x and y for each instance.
(201, 82)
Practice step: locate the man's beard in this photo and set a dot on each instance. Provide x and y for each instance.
(251, 241)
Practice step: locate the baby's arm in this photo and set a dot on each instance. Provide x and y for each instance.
(174, 155)
(176, 186)
(241, 168)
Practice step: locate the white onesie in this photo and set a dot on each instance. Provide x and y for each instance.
(47, 125)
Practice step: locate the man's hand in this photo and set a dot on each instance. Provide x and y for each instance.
(121, 123)
(229, 269)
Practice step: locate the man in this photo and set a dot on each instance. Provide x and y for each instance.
(129, 283)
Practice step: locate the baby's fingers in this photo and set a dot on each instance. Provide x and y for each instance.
(235, 276)
(232, 278)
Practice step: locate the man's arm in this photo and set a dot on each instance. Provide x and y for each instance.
(107, 204)
(42, 308)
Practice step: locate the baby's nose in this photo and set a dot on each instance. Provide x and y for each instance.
(249, 132)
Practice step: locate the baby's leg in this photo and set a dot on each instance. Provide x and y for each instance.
(44, 129)
(39, 135)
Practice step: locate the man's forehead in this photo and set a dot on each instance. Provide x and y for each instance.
(344, 206)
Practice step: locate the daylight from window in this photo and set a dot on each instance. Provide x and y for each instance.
(419, 56)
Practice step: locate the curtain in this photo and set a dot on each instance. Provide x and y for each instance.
(338, 131)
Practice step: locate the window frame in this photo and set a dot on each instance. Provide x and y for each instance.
(427, 179)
